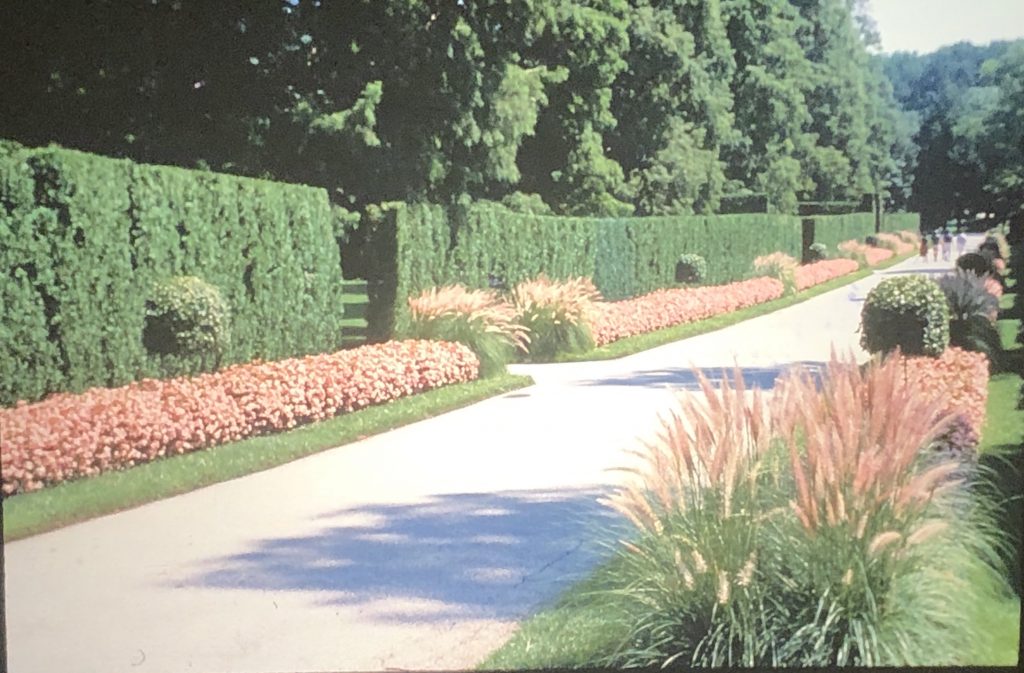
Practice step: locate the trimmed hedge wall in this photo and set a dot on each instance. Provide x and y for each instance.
(83, 238)
(901, 222)
(418, 246)
(834, 229)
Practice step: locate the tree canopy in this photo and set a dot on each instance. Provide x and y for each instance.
(587, 107)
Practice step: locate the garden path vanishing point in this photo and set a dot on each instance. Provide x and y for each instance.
(418, 548)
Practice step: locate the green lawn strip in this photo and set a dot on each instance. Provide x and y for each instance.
(642, 342)
(39, 511)
(578, 630)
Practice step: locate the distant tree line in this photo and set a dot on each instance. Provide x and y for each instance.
(597, 107)
(969, 107)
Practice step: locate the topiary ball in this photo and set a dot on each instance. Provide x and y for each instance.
(185, 316)
(976, 263)
(691, 268)
(905, 312)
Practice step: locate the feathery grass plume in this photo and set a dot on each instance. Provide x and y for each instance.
(781, 266)
(854, 445)
(853, 250)
(693, 588)
(477, 318)
(558, 314)
(911, 237)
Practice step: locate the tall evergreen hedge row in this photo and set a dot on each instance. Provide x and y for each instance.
(901, 222)
(834, 229)
(83, 239)
(418, 246)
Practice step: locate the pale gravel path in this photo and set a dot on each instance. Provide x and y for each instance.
(418, 548)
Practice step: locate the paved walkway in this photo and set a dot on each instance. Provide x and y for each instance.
(418, 548)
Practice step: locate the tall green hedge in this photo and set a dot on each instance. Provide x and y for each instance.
(834, 229)
(83, 238)
(901, 222)
(418, 246)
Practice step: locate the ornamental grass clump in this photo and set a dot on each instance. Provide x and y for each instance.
(690, 578)
(788, 533)
(480, 319)
(557, 313)
(905, 312)
(973, 309)
(780, 266)
(863, 501)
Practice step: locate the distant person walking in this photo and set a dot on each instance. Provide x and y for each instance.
(924, 248)
(961, 243)
(935, 245)
(947, 244)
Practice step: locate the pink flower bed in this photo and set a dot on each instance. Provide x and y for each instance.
(74, 435)
(876, 256)
(810, 275)
(665, 308)
(959, 377)
(993, 286)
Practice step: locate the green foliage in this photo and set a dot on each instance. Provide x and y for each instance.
(909, 313)
(976, 263)
(817, 252)
(415, 247)
(972, 311)
(557, 315)
(601, 108)
(892, 222)
(493, 350)
(691, 269)
(834, 229)
(186, 316)
(83, 239)
(528, 204)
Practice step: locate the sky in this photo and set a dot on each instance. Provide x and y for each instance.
(925, 25)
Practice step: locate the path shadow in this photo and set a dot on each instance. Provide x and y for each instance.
(684, 378)
(455, 556)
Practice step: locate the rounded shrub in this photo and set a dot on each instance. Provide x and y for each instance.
(691, 268)
(909, 313)
(186, 316)
(817, 252)
(871, 240)
(977, 263)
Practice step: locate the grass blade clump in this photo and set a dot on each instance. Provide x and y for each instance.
(557, 314)
(781, 266)
(477, 318)
(793, 533)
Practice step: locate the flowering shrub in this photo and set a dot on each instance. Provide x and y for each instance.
(905, 312)
(959, 377)
(74, 435)
(665, 308)
(993, 287)
(810, 275)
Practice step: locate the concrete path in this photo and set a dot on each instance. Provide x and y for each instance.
(418, 548)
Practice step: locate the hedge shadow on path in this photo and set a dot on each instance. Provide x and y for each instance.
(685, 378)
(459, 556)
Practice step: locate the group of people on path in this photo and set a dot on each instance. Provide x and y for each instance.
(942, 241)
